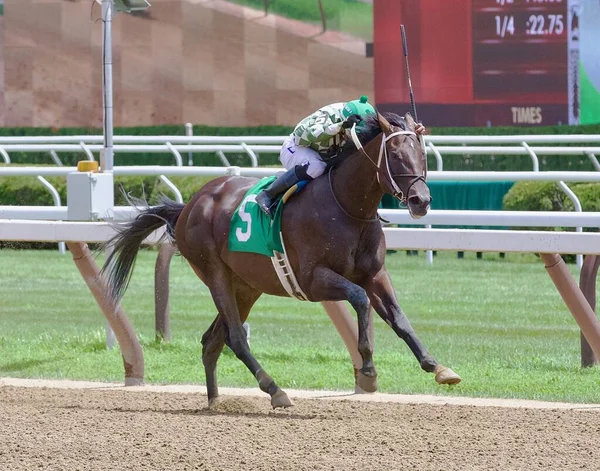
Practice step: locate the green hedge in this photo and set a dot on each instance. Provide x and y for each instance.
(451, 162)
(547, 196)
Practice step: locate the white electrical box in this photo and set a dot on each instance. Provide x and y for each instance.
(90, 196)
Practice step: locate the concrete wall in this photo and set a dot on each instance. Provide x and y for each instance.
(211, 63)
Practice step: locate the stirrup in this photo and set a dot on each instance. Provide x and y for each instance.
(265, 206)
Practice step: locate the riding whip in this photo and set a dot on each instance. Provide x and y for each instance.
(410, 89)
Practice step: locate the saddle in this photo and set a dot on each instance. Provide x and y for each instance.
(285, 196)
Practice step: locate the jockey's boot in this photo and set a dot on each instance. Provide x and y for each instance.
(280, 185)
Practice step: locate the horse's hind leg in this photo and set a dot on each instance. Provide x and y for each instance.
(213, 339)
(213, 342)
(382, 296)
(221, 285)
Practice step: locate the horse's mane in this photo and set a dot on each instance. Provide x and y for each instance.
(370, 130)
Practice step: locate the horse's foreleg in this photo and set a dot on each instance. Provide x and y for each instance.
(347, 327)
(382, 296)
(328, 285)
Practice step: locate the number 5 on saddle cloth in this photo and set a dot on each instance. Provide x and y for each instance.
(252, 230)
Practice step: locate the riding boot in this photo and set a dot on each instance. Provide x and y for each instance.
(281, 184)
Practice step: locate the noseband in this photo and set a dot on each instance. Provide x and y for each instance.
(383, 157)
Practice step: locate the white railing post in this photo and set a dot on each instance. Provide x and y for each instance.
(89, 154)
(251, 154)
(534, 157)
(594, 160)
(438, 157)
(5, 156)
(173, 188)
(55, 157)
(56, 198)
(189, 131)
(577, 204)
(223, 158)
(175, 152)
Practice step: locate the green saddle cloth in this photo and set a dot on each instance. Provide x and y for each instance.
(252, 230)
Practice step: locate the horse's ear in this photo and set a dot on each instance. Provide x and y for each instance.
(384, 123)
(410, 122)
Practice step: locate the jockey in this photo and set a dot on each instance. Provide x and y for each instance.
(317, 137)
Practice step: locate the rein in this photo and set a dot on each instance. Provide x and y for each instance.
(383, 156)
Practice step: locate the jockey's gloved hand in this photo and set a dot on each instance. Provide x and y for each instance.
(351, 121)
(420, 129)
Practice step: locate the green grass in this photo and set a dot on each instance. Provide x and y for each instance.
(349, 16)
(498, 323)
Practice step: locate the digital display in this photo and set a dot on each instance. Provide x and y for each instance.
(519, 47)
(491, 62)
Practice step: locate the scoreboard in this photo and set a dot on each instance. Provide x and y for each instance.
(480, 62)
(519, 47)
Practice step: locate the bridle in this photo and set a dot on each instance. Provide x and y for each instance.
(383, 157)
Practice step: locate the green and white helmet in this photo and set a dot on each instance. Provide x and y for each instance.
(361, 107)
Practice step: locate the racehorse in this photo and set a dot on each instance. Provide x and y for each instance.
(333, 237)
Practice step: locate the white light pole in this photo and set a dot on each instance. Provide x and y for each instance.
(108, 7)
(107, 155)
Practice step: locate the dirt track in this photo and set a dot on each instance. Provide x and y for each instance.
(98, 429)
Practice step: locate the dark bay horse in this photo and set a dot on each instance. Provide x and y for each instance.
(334, 241)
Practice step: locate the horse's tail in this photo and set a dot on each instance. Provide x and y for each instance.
(124, 246)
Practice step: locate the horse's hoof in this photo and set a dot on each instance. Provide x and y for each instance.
(367, 384)
(359, 390)
(281, 399)
(444, 375)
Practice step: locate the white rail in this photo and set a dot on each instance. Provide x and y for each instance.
(441, 217)
(145, 139)
(395, 216)
(56, 231)
(181, 139)
(148, 170)
(59, 213)
(252, 145)
(516, 150)
(149, 148)
(412, 239)
(493, 240)
(274, 149)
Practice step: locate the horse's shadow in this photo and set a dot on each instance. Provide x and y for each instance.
(206, 412)
(279, 415)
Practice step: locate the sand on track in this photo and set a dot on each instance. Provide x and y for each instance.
(98, 427)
